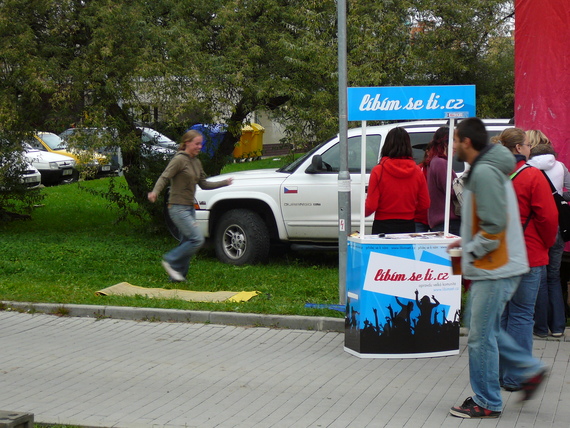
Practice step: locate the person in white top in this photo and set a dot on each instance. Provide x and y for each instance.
(549, 311)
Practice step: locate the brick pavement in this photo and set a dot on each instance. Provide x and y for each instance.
(124, 373)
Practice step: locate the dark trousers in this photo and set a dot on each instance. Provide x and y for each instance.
(393, 226)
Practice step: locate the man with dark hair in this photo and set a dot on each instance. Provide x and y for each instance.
(494, 259)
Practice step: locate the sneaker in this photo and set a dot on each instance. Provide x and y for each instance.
(542, 336)
(176, 276)
(530, 386)
(470, 410)
(511, 388)
(557, 334)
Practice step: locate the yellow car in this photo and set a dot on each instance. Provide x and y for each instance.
(53, 143)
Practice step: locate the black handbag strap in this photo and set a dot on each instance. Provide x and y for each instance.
(549, 182)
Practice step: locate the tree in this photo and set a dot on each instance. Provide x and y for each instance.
(95, 62)
(16, 200)
(466, 42)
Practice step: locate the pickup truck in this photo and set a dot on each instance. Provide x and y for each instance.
(298, 204)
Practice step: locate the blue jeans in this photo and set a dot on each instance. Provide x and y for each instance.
(518, 317)
(184, 217)
(549, 312)
(488, 343)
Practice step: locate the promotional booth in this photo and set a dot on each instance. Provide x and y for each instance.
(402, 299)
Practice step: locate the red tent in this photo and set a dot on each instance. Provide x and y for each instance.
(542, 70)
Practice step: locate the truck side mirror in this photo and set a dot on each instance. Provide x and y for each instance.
(316, 164)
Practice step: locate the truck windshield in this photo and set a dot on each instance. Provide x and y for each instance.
(295, 164)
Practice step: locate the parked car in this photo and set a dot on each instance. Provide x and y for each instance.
(29, 175)
(101, 142)
(104, 140)
(155, 138)
(298, 204)
(53, 167)
(87, 158)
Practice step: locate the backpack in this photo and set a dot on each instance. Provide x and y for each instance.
(563, 211)
(561, 205)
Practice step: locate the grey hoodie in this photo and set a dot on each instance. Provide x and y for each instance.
(491, 231)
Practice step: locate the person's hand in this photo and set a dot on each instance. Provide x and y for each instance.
(229, 181)
(454, 244)
(152, 197)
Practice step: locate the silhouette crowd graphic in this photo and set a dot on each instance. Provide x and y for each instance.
(404, 326)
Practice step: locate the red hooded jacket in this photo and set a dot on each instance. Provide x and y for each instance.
(534, 195)
(397, 190)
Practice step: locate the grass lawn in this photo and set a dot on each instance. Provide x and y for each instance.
(73, 246)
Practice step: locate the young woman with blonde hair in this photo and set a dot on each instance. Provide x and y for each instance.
(550, 311)
(183, 173)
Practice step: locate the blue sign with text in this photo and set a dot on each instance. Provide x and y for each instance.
(411, 102)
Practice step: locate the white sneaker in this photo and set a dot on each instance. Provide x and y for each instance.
(176, 276)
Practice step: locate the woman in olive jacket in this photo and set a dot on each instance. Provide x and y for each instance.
(184, 172)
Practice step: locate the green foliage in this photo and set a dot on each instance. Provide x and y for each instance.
(112, 63)
(17, 201)
(466, 42)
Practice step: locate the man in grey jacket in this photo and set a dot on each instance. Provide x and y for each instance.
(494, 258)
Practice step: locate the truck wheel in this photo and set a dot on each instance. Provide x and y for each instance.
(241, 238)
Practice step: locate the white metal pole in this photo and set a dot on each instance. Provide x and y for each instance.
(448, 178)
(363, 180)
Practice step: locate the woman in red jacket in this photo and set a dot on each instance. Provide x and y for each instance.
(397, 188)
(539, 219)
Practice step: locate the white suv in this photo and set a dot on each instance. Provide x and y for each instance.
(299, 202)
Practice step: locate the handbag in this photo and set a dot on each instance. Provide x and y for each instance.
(457, 185)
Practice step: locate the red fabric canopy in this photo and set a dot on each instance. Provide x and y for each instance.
(542, 70)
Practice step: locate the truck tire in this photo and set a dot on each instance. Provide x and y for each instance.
(241, 237)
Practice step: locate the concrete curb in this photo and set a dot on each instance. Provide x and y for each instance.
(295, 322)
(177, 315)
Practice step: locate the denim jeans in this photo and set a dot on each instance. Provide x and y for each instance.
(549, 312)
(184, 217)
(488, 344)
(518, 317)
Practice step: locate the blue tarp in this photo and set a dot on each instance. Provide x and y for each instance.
(213, 136)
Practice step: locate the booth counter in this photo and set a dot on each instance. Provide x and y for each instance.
(402, 299)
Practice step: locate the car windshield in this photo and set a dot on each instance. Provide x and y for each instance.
(53, 141)
(28, 148)
(295, 164)
(155, 137)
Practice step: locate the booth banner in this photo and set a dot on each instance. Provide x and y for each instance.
(411, 102)
(402, 299)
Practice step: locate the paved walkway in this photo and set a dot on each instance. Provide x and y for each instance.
(102, 372)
